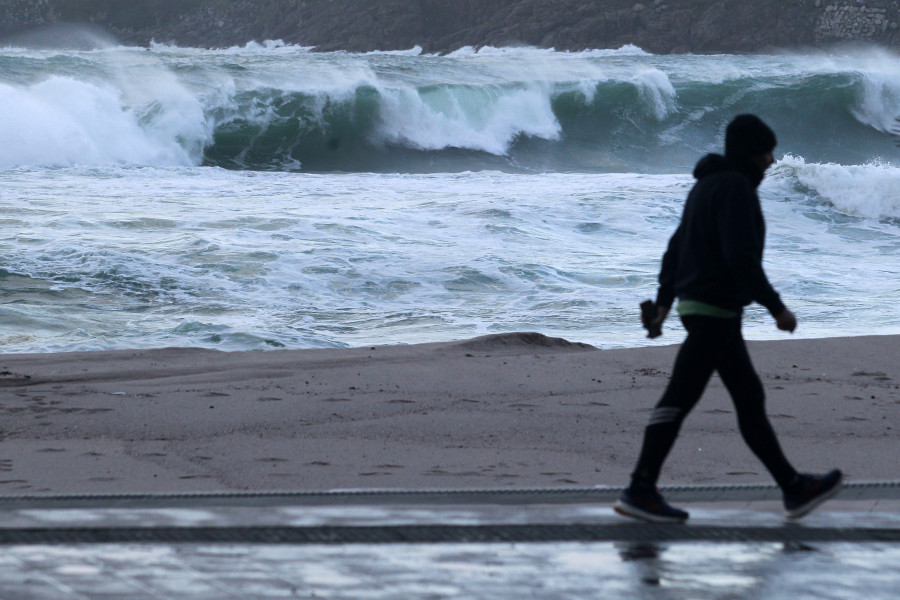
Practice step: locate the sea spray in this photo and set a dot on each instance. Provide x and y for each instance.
(62, 121)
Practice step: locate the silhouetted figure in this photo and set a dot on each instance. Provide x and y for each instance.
(713, 265)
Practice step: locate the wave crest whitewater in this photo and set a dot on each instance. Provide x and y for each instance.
(870, 191)
(279, 107)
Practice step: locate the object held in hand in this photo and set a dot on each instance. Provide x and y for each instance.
(648, 315)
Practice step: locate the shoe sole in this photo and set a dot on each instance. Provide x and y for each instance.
(802, 511)
(627, 510)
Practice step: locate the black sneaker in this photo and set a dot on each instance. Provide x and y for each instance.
(810, 492)
(648, 505)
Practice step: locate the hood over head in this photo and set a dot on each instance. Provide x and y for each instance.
(711, 163)
(716, 163)
(747, 136)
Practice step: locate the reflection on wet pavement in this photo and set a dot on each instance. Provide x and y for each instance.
(745, 550)
(697, 571)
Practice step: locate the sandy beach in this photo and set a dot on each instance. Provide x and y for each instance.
(515, 410)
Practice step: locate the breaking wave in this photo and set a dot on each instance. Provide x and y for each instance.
(275, 107)
(870, 191)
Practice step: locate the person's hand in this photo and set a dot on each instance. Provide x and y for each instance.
(654, 325)
(786, 321)
(661, 313)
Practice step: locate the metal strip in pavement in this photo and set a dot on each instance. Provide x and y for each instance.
(434, 534)
(873, 490)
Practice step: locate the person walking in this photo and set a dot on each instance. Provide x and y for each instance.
(713, 265)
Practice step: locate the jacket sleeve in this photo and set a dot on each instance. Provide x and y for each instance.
(665, 296)
(741, 241)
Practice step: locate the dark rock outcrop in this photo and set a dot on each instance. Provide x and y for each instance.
(660, 26)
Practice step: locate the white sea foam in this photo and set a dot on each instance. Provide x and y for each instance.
(487, 119)
(870, 190)
(287, 260)
(879, 104)
(529, 51)
(656, 88)
(138, 113)
(878, 72)
(62, 122)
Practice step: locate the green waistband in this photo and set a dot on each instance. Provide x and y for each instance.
(702, 309)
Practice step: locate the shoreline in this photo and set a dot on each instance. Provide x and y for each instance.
(673, 335)
(503, 411)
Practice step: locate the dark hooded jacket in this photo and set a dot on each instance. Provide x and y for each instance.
(715, 255)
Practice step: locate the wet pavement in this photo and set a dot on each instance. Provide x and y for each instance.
(849, 549)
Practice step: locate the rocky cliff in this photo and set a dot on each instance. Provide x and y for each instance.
(660, 26)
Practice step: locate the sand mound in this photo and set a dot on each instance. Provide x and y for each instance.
(525, 341)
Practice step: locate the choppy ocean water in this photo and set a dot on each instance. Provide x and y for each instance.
(274, 197)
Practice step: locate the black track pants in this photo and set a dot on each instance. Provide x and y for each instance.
(712, 344)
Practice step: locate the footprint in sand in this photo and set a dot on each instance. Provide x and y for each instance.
(876, 375)
(9, 378)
